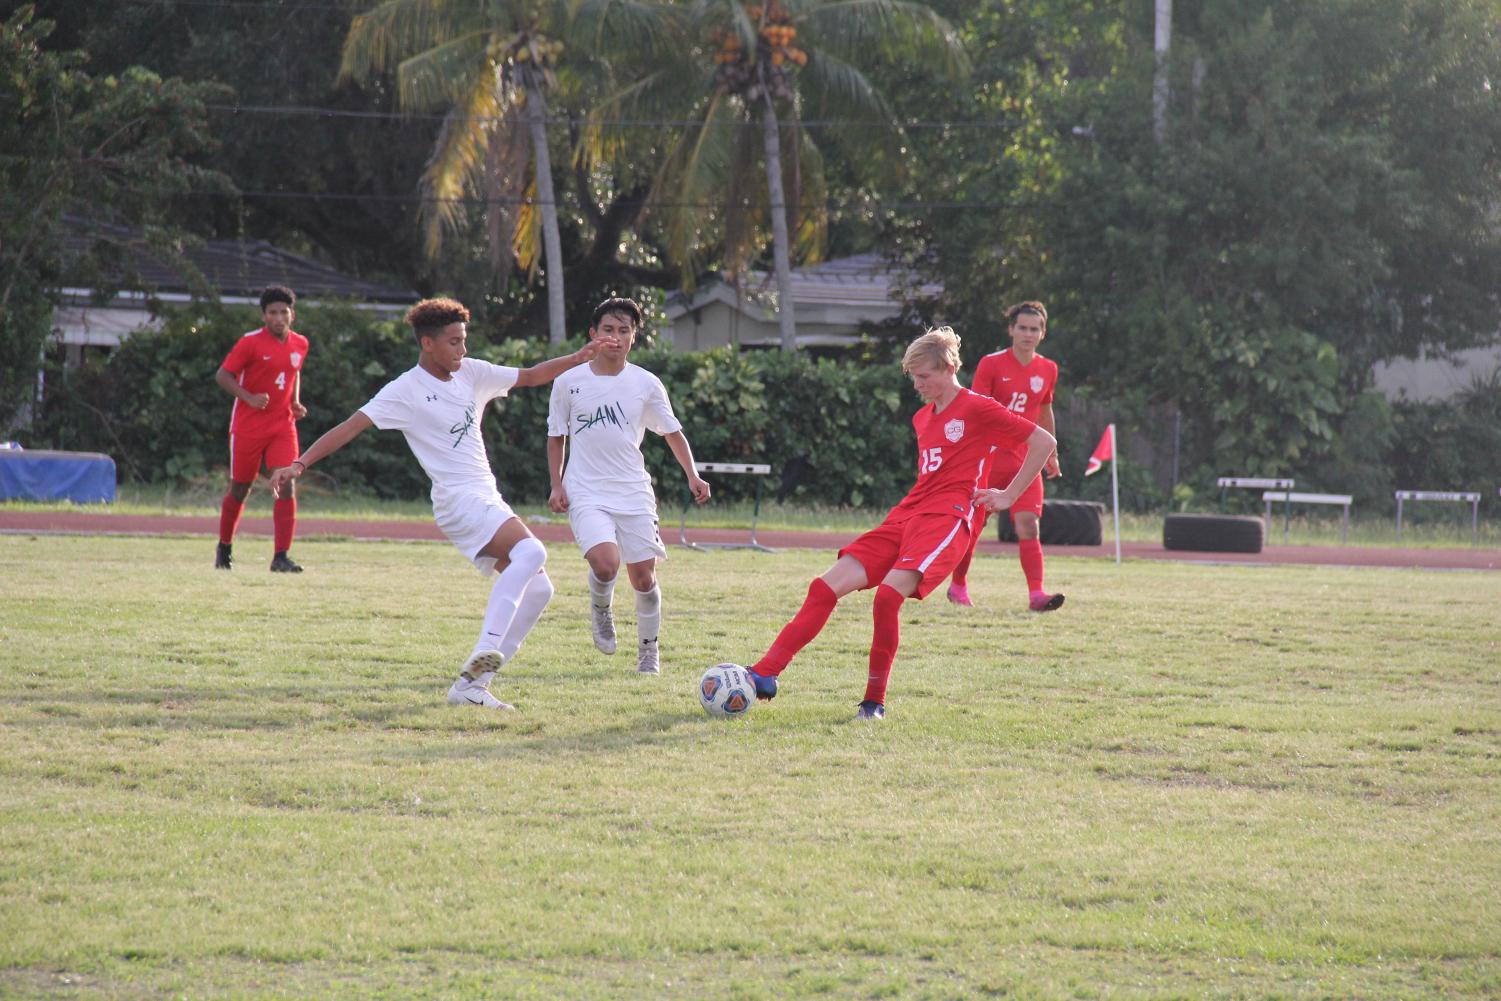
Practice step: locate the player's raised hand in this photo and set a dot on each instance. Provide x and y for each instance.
(557, 501)
(596, 345)
(259, 401)
(298, 411)
(700, 488)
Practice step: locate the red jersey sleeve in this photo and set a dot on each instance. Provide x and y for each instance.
(1002, 427)
(239, 356)
(1047, 396)
(984, 381)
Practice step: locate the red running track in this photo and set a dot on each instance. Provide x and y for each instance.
(90, 523)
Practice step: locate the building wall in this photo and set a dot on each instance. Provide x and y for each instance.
(1429, 379)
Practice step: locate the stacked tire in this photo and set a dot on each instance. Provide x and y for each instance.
(1064, 523)
(1213, 533)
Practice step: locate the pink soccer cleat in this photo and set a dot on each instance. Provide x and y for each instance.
(959, 595)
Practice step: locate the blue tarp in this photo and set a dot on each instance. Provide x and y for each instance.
(81, 477)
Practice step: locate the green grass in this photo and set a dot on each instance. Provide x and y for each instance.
(1191, 782)
(1424, 525)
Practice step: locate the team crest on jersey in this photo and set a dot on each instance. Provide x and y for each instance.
(296, 358)
(953, 430)
(1036, 383)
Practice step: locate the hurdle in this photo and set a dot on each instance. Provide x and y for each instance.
(746, 468)
(1292, 498)
(1442, 495)
(1260, 483)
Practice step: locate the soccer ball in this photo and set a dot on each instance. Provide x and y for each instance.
(726, 690)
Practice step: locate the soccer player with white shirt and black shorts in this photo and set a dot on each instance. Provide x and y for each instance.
(598, 415)
(437, 406)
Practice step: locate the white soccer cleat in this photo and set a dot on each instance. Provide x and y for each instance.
(467, 693)
(647, 661)
(604, 628)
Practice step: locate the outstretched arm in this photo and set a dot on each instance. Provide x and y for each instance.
(678, 442)
(557, 446)
(1040, 445)
(547, 371)
(332, 440)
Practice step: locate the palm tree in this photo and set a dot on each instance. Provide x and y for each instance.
(777, 62)
(488, 66)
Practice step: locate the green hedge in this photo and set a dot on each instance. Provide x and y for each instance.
(833, 433)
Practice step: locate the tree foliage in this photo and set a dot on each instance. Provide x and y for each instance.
(105, 149)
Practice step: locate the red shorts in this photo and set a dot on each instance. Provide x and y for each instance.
(1001, 474)
(931, 544)
(246, 454)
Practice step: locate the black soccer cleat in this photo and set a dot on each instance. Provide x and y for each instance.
(766, 686)
(281, 563)
(871, 710)
(223, 557)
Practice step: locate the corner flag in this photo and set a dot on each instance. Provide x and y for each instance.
(1103, 452)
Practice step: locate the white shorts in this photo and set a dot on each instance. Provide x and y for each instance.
(470, 521)
(635, 534)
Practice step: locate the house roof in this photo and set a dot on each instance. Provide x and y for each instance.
(864, 281)
(234, 268)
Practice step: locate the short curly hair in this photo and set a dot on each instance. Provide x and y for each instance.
(277, 293)
(431, 315)
(1030, 306)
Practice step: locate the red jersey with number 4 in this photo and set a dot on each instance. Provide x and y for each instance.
(263, 364)
(951, 451)
(1022, 389)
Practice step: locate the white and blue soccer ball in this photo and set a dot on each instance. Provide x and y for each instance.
(726, 690)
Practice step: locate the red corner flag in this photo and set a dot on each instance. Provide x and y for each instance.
(1103, 452)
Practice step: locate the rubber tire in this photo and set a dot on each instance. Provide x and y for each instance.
(1213, 533)
(1064, 523)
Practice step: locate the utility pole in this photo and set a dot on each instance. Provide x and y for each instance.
(1162, 42)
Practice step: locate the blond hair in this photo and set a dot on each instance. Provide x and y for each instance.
(939, 346)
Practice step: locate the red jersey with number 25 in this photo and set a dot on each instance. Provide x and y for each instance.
(263, 364)
(951, 451)
(1022, 389)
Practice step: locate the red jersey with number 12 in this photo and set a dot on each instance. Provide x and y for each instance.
(1022, 389)
(263, 364)
(951, 449)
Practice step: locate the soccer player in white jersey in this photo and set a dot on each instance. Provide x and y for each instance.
(437, 405)
(598, 415)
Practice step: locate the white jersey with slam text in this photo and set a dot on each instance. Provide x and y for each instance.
(604, 418)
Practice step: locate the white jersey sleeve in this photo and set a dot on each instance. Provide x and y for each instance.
(389, 409)
(657, 414)
(491, 381)
(557, 408)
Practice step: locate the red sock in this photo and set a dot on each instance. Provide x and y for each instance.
(976, 526)
(884, 641)
(284, 520)
(1030, 553)
(806, 624)
(229, 518)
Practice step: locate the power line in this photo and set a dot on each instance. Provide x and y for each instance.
(316, 112)
(871, 204)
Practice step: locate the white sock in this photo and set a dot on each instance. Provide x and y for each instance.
(601, 592)
(482, 680)
(649, 614)
(528, 610)
(527, 558)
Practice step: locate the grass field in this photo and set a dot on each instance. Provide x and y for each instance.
(1192, 781)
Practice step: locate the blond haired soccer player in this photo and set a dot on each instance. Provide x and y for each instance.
(597, 416)
(1022, 381)
(437, 406)
(923, 537)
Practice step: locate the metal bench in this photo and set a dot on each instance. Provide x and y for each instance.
(1442, 495)
(1291, 498)
(748, 468)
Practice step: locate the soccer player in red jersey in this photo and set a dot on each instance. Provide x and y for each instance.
(924, 536)
(263, 372)
(1022, 381)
